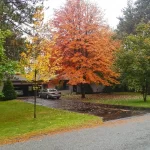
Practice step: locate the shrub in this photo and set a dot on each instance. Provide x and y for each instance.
(1, 95)
(8, 91)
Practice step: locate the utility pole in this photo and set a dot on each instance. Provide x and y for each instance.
(35, 91)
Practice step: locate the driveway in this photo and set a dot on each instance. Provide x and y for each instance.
(123, 134)
(108, 113)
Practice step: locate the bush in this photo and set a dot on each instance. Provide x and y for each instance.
(8, 91)
(1, 95)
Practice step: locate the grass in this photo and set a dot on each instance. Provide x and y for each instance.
(17, 122)
(126, 102)
(123, 98)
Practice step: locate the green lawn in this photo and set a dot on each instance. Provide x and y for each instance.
(124, 99)
(125, 102)
(16, 120)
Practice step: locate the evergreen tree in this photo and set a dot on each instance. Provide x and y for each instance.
(133, 14)
(126, 22)
(8, 91)
(142, 11)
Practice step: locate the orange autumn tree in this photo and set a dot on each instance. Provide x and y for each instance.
(85, 43)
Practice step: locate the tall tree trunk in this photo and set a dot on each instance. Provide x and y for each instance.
(144, 96)
(145, 91)
(82, 90)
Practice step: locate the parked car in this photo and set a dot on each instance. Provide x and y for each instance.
(49, 93)
(19, 92)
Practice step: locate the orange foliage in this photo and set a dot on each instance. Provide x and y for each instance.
(85, 44)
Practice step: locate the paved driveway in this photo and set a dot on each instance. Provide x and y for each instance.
(126, 134)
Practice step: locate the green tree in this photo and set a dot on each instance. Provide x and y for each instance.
(17, 16)
(126, 22)
(142, 11)
(14, 46)
(134, 59)
(133, 14)
(7, 66)
(8, 91)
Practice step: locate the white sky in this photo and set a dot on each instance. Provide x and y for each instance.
(112, 9)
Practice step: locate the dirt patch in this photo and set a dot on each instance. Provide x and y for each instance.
(108, 113)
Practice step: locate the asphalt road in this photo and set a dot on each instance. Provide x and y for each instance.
(123, 134)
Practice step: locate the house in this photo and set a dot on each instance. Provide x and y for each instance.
(25, 88)
(22, 86)
(89, 88)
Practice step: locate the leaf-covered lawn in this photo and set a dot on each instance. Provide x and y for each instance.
(125, 99)
(103, 96)
(126, 102)
(16, 120)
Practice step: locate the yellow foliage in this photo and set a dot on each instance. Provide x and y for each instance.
(37, 58)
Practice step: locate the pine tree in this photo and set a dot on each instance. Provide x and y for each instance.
(127, 21)
(8, 91)
(133, 14)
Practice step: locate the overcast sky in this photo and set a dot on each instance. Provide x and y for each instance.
(112, 8)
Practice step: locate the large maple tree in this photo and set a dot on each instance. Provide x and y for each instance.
(85, 44)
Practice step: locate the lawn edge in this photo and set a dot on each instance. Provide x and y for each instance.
(123, 106)
(40, 134)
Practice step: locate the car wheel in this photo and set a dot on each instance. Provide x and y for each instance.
(47, 96)
(58, 97)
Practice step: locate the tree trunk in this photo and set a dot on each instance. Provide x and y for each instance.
(145, 96)
(82, 90)
(145, 91)
(145, 100)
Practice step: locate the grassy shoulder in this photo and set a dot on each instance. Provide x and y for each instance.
(17, 122)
